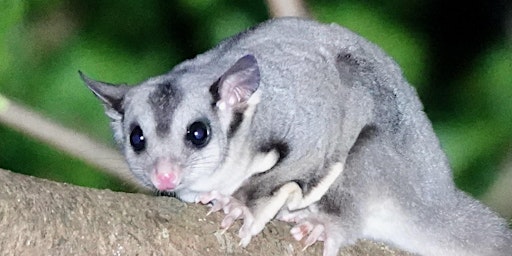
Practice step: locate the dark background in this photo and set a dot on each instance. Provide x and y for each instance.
(457, 55)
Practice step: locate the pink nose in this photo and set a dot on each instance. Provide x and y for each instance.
(165, 175)
(165, 181)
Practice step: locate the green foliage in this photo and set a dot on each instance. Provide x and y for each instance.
(11, 15)
(477, 140)
(394, 38)
(44, 43)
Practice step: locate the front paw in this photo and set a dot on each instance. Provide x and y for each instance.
(217, 200)
(234, 210)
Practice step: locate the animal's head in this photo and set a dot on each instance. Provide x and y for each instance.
(174, 130)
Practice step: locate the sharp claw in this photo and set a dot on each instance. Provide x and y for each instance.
(243, 233)
(314, 235)
(245, 241)
(309, 241)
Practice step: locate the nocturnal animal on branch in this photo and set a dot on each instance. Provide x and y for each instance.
(307, 123)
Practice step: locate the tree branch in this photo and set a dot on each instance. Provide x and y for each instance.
(40, 217)
(498, 195)
(284, 8)
(76, 144)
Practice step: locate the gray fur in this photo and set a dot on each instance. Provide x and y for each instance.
(326, 95)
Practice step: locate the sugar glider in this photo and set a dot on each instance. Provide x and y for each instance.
(308, 123)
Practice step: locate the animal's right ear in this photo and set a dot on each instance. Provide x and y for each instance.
(111, 95)
(236, 86)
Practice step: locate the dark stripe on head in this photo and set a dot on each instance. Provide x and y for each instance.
(236, 121)
(214, 90)
(163, 101)
(118, 105)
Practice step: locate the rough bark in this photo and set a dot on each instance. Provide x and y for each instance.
(41, 217)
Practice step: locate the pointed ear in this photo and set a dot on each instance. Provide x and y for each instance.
(237, 84)
(111, 95)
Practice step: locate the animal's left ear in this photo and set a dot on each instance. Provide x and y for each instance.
(237, 84)
(111, 95)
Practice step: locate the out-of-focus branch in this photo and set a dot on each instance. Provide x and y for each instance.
(287, 8)
(78, 145)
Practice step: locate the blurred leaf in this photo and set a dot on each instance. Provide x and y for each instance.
(466, 141)
(228, 24)
(494, 75)
(479, 136)
(12, 14)
(198, 7)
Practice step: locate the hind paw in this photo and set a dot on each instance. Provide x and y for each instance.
(308, 233)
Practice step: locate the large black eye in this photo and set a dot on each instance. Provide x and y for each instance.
(137, 139)
(198, 133)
